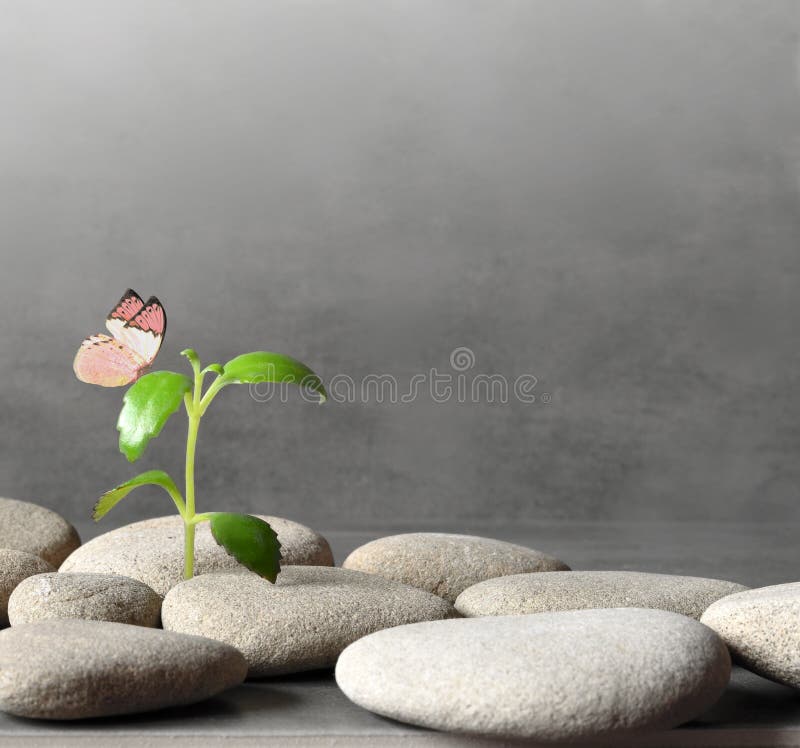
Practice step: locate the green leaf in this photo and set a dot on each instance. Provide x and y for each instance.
(152, 477)
(263, 366)
(147, 406)
(250, 540)
(191, 354)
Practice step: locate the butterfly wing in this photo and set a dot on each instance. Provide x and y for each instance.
(139, 325)
(107, 362)
(127, 307)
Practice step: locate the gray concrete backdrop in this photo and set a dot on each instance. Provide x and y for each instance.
(602, 194)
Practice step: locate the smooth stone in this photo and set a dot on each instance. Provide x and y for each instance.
(300, 623)
(72, 669)
(15, 566)
(446, 564)
(576, 590)
(571, 675)
(762, 630)
(92, 597)
(152, 551)
(34, 529)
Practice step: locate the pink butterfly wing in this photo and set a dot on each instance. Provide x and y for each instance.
(138, 325)
(107, 362)
(127, 307)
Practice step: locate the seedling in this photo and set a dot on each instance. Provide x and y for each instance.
(138, 329)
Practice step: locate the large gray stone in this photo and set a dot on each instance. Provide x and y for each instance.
(34, 529)
(152, 551)
(75, 669)
(446, 564)
(762, 630)
(575, 590)
(301, 623)
(14, 567)
(95, 597)
(563, 676)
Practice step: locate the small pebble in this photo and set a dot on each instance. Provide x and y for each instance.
(94, 597)
(444, 564)
(70, 669)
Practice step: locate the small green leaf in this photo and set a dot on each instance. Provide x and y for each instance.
(152, 477)
(250, 540)
(263, 366)
(147, 406)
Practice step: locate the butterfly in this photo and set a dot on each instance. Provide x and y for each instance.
(138, 329)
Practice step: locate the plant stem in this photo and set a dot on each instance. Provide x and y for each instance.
(191, 443)
(196, 405)
(211, 393)
(188, 550)
(194, 415)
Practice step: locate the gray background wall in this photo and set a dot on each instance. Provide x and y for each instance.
(603, 194)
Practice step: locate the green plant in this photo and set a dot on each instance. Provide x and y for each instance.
(148, 404)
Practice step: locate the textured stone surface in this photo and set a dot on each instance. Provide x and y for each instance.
(152, 551)
(575, 590)
(96, 597)
(301, 623)
(14, 567)
(74, 669)
(446, 564)
(34, 529)
(762, 630)
(552, 676)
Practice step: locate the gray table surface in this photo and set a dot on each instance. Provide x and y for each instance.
(309, 709)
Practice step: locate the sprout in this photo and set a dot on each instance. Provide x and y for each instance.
(154, 397)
